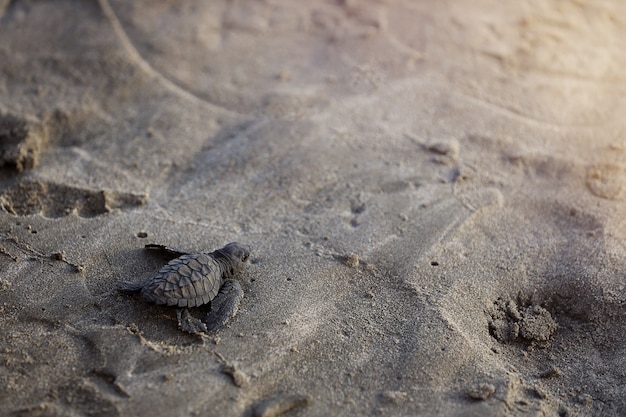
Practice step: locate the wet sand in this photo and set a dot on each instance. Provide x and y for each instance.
(434, 195)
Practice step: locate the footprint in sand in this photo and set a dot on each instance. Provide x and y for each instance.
(54, 200)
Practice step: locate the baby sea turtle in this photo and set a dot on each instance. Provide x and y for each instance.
(194, 279)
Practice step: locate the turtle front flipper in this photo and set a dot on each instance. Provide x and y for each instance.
(189, 323)
(225, 305)
(167, 249)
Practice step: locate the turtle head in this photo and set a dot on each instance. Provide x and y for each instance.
(236, 255)
(236, 251)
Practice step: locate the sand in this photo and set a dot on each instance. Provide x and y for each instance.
(434, 192)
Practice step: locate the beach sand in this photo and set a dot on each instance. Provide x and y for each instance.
(434, 194)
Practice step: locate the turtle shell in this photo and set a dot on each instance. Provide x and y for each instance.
(187, 281)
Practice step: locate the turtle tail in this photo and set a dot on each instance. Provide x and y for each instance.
(128, 286)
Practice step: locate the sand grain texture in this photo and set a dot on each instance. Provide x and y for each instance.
(435, 196)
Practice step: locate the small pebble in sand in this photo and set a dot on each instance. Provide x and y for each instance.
(352, 260)
(551, 372)
(394, 397)
(58, 256)
(240, 379)
(280, 404)
(481, 391)
(284, 75)
(449, 148)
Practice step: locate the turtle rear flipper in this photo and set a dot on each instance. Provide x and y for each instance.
(129, 286)
(188, 323)
(225, 306)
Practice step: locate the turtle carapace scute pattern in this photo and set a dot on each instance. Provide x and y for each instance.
(195, 279)
(187, 281)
